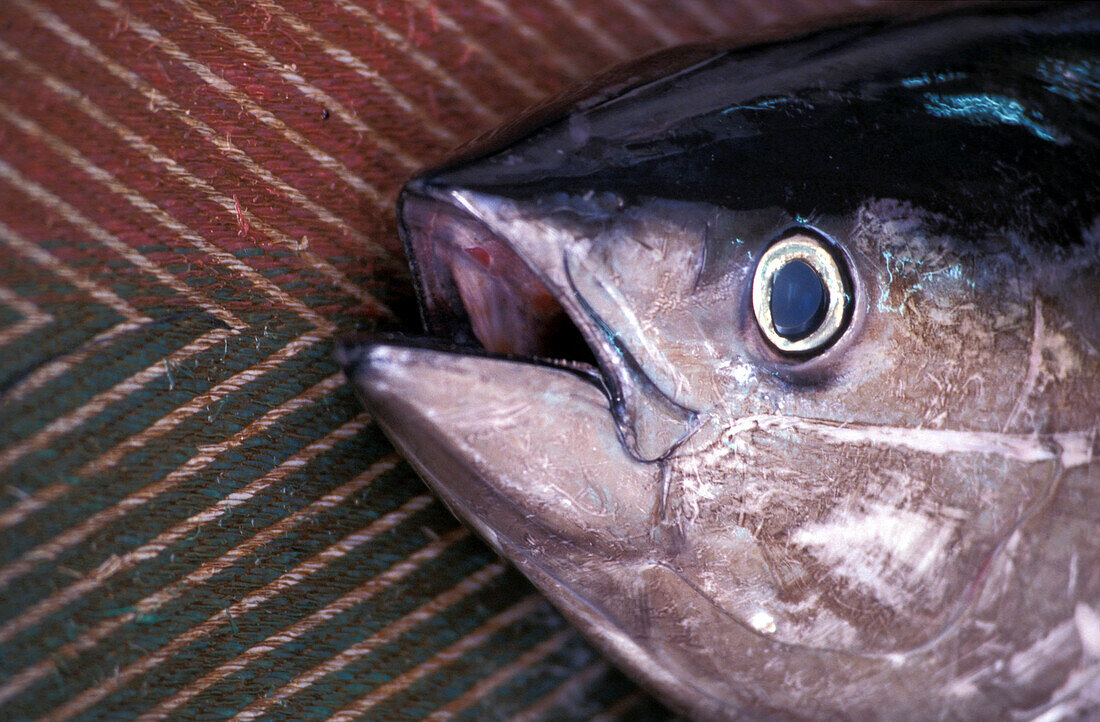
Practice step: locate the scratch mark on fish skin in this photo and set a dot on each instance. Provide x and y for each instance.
(1035, 360)
(1071, 582)
(867, 548)
(1069, 448)
(1088, 628)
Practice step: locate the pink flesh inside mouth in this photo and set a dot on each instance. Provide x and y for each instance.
(469, 274)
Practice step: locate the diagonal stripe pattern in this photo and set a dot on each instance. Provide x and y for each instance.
(197, 519)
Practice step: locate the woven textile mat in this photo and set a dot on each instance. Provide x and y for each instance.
(197, 518)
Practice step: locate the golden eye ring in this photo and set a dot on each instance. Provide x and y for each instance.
(799, 317)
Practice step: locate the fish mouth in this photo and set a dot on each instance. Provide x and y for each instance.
(511, 407)
(493, 277)
(513, 367)
(476, 291)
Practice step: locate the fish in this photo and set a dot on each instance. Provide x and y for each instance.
(775, 367)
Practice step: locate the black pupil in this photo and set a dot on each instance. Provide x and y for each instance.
(798, 301)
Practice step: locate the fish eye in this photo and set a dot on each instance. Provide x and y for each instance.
(800, 294)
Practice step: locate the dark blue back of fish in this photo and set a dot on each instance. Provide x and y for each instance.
(965, 118)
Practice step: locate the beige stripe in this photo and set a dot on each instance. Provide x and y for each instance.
(207, 571)
(571, 688)
(590, 28)
(647, 20)
(291, 77)
(446, 656)
(33, 316)
(60, 365)
(166, 46)
(282, 584)
(73, 216)
(487, 684)
(43, 258)
(387, 634)
(345, 57)
(240, 268)
(70, 421)
(445, 21)
(159, 102)
(207, 454)
(22, 306)
(24, 327)
(617, 710)
(179, 414)
(426, 63)
(39, 499)
(352, 599)
(532, 35)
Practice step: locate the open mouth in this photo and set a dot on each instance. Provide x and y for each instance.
(494, 277)
(476, 291)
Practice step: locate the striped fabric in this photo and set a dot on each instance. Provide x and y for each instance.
(197, 518)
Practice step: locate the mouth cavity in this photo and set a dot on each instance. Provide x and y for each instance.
(475, 290)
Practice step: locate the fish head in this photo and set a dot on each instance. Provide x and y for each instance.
(764, 492)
